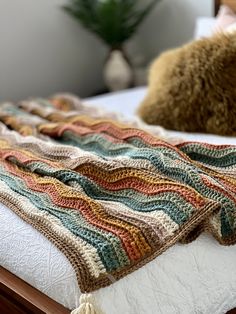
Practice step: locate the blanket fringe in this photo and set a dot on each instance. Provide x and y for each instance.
(86, 305)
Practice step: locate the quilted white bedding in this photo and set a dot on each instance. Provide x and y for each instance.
(196, 278)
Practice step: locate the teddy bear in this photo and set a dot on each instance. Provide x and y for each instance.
(193, 88)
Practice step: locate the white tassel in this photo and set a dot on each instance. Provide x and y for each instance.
(86, 305)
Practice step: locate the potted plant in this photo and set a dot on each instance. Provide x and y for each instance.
(113, 21)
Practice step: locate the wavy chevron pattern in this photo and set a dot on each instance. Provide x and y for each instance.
(110, 196)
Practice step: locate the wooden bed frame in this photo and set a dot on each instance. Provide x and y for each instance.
(18, 297)
(230, 3)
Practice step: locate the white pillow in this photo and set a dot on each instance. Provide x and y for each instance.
(204, 27)
(225, 18)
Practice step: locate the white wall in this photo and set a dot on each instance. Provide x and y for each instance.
(42, 50)
(170, 24)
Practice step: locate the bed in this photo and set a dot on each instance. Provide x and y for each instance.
(35, 277)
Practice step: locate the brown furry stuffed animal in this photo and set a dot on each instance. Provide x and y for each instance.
(193, 88)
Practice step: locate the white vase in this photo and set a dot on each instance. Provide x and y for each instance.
(118, 73)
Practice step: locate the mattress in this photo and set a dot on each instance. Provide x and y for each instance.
(196, 278)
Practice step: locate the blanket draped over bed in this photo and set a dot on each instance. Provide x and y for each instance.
(110, 196)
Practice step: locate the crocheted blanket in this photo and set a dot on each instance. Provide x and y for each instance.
(110, 196)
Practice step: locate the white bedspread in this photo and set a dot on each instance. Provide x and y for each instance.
(196, 278)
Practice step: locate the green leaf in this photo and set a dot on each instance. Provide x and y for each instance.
(114, 21)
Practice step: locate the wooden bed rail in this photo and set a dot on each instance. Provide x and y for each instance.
(18, 297)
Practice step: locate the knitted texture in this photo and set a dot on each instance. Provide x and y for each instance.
(110, 196)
